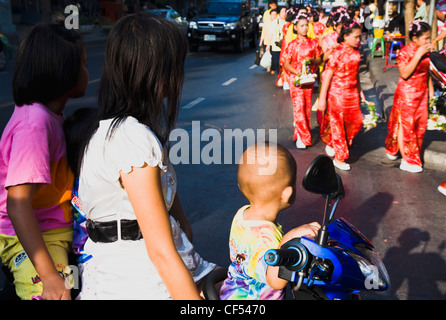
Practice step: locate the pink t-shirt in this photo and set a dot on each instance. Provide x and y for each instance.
(33, 150)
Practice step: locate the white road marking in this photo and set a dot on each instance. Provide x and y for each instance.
(193, 103)
(227, 83)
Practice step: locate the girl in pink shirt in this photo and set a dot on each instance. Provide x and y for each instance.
(35, 179)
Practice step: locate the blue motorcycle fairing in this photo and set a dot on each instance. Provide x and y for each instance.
(344, 239)
(342, 231)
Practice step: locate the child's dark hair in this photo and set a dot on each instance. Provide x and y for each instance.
(143, 73)
(339, 18)
(417, 28)
(347, 28)
(78, 130)
(48, 63)
(315, 14)
(290, 14)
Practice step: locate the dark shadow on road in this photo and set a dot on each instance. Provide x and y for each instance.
(410, 263)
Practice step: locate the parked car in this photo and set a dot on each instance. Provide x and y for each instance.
(172, 15)
(223, 22)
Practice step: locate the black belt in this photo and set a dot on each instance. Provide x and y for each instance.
(108, 231)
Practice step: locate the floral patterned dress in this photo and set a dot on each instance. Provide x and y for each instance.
(298, 50)
(410, 109)
(342, 120)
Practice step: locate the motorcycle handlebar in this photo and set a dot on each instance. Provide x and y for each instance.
(292, 255)
(282, 257)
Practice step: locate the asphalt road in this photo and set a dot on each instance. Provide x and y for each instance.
(224, 93)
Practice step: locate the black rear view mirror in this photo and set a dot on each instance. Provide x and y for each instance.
(321, 177)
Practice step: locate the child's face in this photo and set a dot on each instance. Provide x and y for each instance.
(301, 27)
(273, 15)
(282, 13)
(353, 38)
(423, 39)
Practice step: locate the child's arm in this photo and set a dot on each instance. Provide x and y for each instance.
(25, 225)
(307, 230)
(327, 52)
(144, 189)
(407, 70)
(287, 65)
(322, 101)
(289, 68)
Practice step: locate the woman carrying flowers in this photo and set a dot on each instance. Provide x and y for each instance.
(408, 118)
(299, 50)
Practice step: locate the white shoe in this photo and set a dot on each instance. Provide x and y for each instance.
(410, 167)
(390, 157)
(300, 144)
(442, 188)
(329, 151)
(341, 165)
(286, 85)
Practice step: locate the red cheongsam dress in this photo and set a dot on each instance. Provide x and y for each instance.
(342, 120)
(410, 109)
(298, 50)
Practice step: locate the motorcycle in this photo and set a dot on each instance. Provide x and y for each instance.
(337, 265)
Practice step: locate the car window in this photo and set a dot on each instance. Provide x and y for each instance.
(221, 8)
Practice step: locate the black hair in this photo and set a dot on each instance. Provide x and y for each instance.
(279, 8)
(143, 73)
(78, 129)
(315, 14)
(48, 63)
(274, 10)
(290, 14)
(347, 28)
(339, 18)
(417, 28)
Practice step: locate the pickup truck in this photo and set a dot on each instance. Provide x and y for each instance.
(223, 22)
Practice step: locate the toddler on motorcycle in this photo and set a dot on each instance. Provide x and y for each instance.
(254, 228)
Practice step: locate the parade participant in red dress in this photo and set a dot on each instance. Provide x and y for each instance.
(297, 51)
(318, 27)
(341, 90)
(408, 118)
(329, 42)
